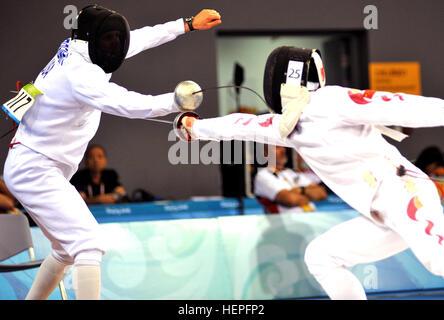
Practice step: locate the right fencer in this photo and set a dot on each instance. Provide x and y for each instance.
(337, 131)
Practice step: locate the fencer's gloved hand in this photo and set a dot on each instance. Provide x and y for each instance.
(206, 19)
(183, 126)
(294, 99)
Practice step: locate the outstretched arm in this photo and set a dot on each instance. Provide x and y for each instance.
(91, 87)
(239, 126)
(383, 108)
(149, 37)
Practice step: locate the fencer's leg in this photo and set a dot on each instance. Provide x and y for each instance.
(417, 216)
(41, 185)
(50, 273)
(86, 275)
(356, 241)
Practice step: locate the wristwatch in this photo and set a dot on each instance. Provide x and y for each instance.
(189, 22)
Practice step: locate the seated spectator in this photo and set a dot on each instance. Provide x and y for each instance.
(431, 161)
(282, 189)
(8, 204)
(96, 184)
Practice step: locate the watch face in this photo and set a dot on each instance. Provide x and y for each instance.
(189, 21)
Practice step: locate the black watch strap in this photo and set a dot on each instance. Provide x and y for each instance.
(189, 22)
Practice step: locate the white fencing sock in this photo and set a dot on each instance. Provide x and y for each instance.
(86, 282)
(86, 275)
(50, 273)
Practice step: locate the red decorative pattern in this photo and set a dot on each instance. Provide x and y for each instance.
(396, 95)
(429, 227)
(267, 122)
(412, 209)
(366, 96)
(361, 97)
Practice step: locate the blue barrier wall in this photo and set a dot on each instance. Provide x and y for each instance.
(228, 256)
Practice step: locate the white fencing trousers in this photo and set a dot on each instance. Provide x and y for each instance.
(42, 187)
(412, 217)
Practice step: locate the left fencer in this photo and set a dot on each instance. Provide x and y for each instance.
(54, 133)
(337, 131)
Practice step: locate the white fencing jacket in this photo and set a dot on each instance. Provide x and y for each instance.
(75, 92)
(338, 136)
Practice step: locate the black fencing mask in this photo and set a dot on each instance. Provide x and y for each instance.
(291, 65)
(107, 33)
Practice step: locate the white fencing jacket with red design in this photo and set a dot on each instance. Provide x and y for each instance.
(338, 136)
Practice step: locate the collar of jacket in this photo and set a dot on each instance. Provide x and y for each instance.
(81, 47)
